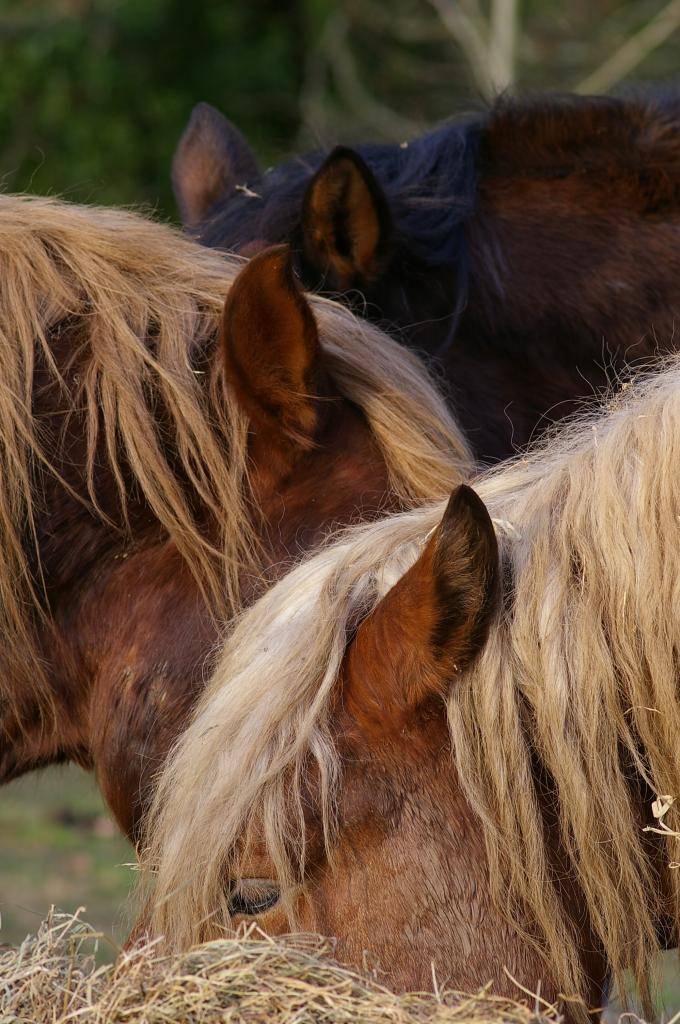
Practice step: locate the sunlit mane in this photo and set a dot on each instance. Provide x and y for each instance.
(579, 675)
(143, 303)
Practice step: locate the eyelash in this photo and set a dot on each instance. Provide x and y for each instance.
(240, 904)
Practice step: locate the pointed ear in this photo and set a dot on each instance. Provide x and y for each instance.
(271, 347)
(431, 625)
(346, 222)
(211, 158)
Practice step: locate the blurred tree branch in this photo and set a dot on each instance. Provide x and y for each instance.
(468, 34)
(633, 51)
(378, 65)
(503, 30)
(385, 120)
(333, 53)
(488, 43)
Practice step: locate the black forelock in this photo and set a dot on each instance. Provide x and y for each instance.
(429, 184)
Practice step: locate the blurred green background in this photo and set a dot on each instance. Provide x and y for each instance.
(94, 95)
(59, 846)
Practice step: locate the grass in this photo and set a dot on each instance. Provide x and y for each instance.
(58, 846)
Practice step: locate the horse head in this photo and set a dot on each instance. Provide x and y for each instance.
(532, 248)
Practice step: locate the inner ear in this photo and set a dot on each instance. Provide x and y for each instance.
(346, 222)
(211, 158)
(466, 577)
(272, 352)
(431, 625)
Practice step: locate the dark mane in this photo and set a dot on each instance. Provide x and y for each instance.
(430, 181)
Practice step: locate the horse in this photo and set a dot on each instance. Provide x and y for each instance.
(166, 415)
(440, 739)
(532, 249)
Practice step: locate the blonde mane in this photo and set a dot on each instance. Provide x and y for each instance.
(144, 303)
(580, 674)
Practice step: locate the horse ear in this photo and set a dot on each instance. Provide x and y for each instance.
(346, 221)
(431, 625)
(211, 158)
(271, 347)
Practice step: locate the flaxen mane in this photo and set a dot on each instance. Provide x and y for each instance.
(580, 675)
(139, 306)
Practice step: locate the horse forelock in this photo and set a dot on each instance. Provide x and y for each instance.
(429, 184)
(120, 314)
(579, 677)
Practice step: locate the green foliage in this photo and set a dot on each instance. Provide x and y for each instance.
(95, 93)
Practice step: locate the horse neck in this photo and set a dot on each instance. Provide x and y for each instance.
(574, 263)
(72, 550)
(37, 732)
(71, 556)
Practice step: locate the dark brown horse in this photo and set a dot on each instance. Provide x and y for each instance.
(153, 480)
(535, 249)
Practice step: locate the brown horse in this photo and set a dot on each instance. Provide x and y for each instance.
(153, 479)
(439, 739)
(535, 249)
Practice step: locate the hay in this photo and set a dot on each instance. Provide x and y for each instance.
(52, 978)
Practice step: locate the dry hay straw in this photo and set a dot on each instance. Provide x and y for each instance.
(52, 978)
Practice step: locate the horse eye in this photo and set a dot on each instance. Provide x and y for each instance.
(252, 896)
